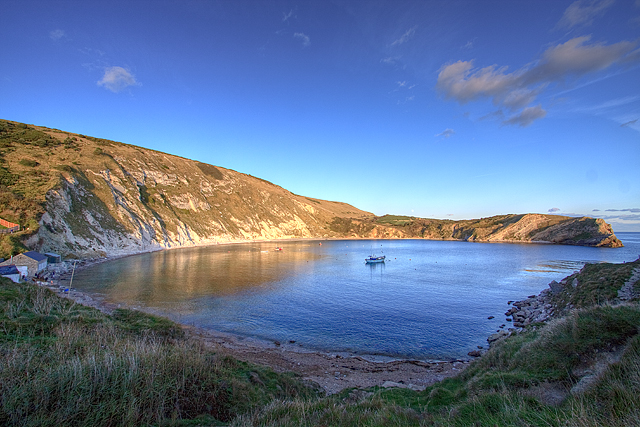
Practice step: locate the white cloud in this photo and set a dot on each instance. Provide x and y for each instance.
(56, 34)
(405, 37)
(552, 210)
(117, 78)
(583, 12)
(447, 133)
(516, 90)
(306, 41)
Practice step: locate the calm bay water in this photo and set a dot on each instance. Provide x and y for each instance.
(430, 300)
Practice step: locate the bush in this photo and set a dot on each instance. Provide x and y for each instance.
(29, 162)
(63, 168)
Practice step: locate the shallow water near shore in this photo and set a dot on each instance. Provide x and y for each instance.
(430, 300)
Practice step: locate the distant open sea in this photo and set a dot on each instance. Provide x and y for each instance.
(430, 301)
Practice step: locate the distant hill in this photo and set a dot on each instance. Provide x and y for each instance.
(83, 196)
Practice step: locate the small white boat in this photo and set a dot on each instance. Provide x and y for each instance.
(373, 259)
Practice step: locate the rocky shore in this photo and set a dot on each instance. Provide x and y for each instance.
(538, 309)
(534, 309)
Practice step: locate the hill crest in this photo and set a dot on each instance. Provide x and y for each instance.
(83, 196)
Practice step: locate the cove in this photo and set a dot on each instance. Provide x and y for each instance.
(430, 301)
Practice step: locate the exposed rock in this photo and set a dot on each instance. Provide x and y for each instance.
(498, 335)
(626, 292)
(393, 384)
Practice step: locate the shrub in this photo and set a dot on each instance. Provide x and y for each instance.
(63, 168)
(29, 162)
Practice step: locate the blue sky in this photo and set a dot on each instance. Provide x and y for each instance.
(442, 109)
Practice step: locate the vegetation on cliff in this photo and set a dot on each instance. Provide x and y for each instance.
(83, 196)
(509, 228)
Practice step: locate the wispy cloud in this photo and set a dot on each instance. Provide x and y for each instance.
(306, 41)
(609, 105)
(286, 16)
(629, 123)
(408, 35)
(117, 79)
(468, 45)
(515, 91)
(632, 210)
(447, 133)
(583, 12)
(405, 100)
(56, 34)
(552, 210)
(526, 116)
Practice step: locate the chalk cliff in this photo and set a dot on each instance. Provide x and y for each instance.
(84, 196)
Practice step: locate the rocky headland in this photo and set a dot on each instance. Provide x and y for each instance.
(594, 284)
(86, 197)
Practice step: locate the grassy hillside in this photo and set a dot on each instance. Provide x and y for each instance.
(82, 196)
(65, 364)
(95, 196)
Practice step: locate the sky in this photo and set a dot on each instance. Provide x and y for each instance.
(437, 109)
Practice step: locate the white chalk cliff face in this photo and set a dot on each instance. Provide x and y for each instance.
(153, 201)
(94, 197)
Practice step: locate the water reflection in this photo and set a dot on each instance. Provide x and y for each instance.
(431, 299)
(179, 275)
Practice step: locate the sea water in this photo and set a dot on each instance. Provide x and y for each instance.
(429, 300)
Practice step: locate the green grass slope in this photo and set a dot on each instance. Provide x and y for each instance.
(66, 364)
(63, 364)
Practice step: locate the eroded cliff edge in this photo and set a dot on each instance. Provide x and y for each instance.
(85, 197)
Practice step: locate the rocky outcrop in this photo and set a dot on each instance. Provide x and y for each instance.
(521, 228)
(534, 309)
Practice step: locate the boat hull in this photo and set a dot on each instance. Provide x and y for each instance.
(373, 260)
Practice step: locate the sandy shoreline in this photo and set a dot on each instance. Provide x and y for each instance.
(333, 371)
